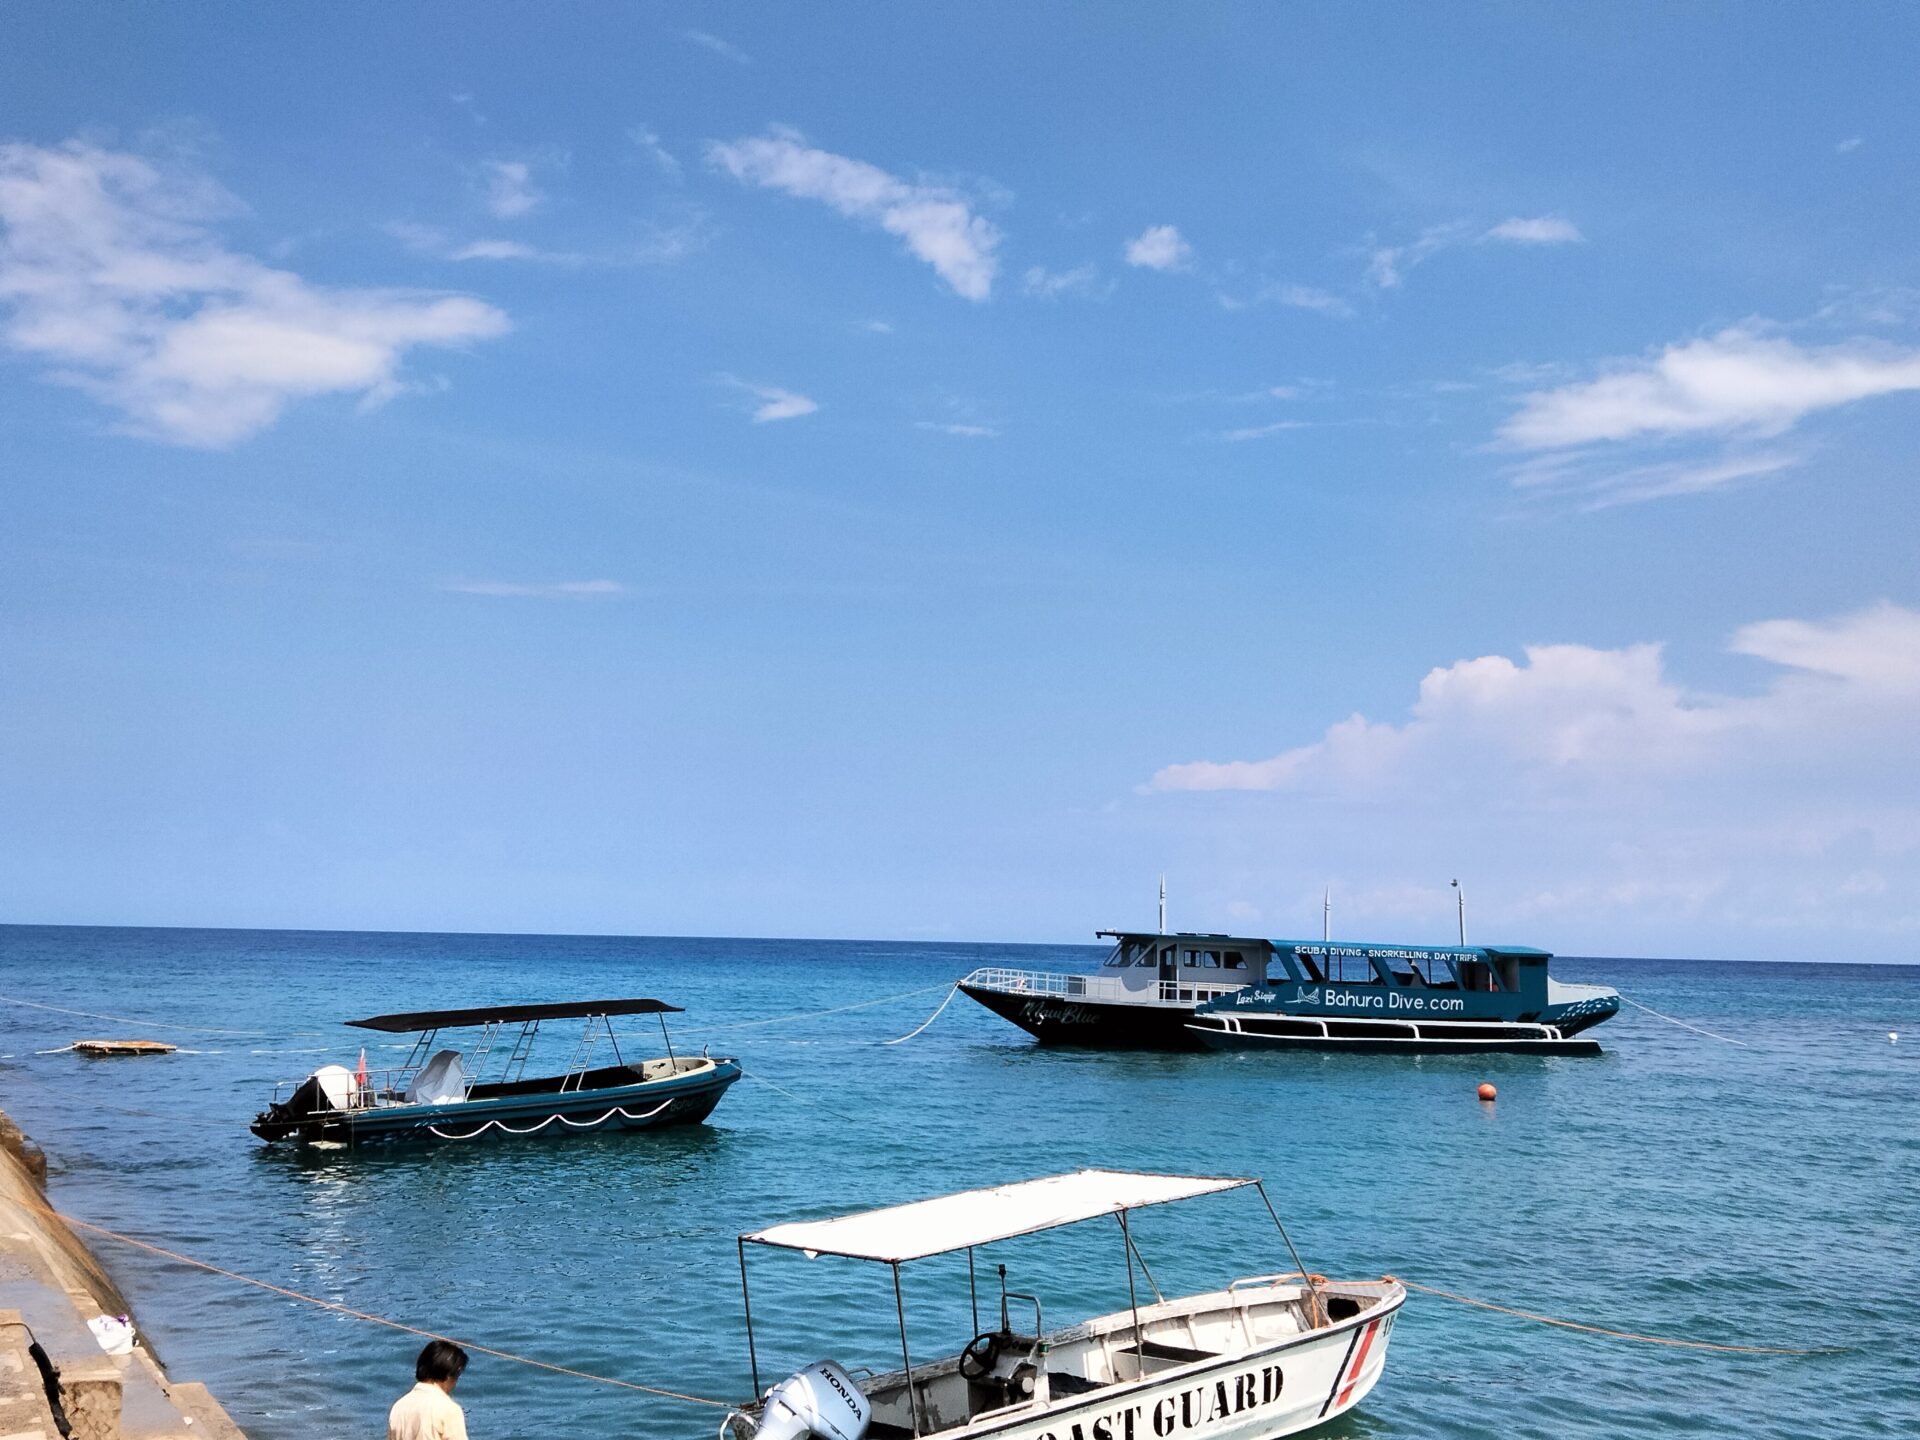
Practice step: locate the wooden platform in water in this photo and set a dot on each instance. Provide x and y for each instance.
(124, 1047)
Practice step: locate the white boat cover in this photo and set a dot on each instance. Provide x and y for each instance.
(441, 1081)
(337, 1084)
(977, 1217)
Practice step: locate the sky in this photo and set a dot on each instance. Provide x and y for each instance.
(929, 471)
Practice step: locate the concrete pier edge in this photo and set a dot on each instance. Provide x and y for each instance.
(55, 1380)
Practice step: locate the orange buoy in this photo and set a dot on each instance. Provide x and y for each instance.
(1487, 1092)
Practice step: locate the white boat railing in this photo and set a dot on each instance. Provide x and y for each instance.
(1093, 987)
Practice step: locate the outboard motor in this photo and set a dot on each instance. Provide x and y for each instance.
(820, 1402)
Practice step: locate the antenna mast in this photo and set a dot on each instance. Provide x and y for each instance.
(1463, 912)
(1326, 915)
(1163, 904)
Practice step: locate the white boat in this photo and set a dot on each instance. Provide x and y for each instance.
(1268, 1355)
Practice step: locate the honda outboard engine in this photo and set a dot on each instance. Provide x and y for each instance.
(820, 1402)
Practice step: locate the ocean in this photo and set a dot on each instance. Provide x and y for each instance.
(1761, 1193)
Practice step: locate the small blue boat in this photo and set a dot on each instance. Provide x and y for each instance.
(444, 1094)
(1406, 999)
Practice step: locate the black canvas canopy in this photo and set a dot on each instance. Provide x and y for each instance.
(511, 1014)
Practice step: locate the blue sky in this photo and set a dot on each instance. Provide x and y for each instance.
(927, 471)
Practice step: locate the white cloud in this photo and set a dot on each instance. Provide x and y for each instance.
(1261, 432)
(1849, 145)
(1159, 247)
(1306, 297)
(718, 46)
(877, 327)
(561, 590)
(775, 403)
(648, 143)
(1593, 486)
(111, 272)
(1573, 721)
(1081, 282)
(1387, 265)
(970, 432)
(510, 191)
(1541, 230)
(937, 223)
(1736, 381)
(661, 245)
(497, 250)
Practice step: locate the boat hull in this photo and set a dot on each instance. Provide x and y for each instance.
(1091, 1023)
(645, 1105)
(1280, 1386)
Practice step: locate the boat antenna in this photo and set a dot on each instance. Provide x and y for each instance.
(1163, 904)
(1326, 915)
(1463, 913)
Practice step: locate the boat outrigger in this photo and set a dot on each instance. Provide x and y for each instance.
(1268, 1355)
(1438, 999)
(443, 1093)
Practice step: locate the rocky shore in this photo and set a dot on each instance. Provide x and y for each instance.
(55, 1379)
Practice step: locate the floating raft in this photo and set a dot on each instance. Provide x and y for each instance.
(124, 1047)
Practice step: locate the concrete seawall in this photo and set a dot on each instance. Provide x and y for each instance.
(55, 1380)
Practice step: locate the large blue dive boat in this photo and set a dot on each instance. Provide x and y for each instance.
(449, 1094)
(1189, 991)
(1407, 999)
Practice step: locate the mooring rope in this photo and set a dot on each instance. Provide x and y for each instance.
(800, 1099)
(928, 1021)
(1681, 1023)
(832, 1010)
(1617, 1334)
(372, 1319)
(153, 1024)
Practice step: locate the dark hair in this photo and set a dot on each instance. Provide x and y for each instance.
(441, 1360)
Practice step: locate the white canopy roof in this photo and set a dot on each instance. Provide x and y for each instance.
(976, 1217)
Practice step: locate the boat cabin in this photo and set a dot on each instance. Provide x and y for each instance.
(1487, 970)
(1183, 968)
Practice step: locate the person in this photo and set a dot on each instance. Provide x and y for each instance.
(427, 1411)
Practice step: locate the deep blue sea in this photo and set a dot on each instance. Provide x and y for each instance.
(1765, 1193)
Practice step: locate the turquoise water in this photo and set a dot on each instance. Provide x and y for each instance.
(1763, 1194)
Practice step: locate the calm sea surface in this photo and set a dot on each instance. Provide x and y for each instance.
(1763, 1194)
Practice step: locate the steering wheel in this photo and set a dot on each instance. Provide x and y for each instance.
(982, 1352)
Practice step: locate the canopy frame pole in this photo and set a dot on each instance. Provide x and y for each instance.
(906, 1361)
(672, 1064)
(973, 1291)
(1140, 1255)
(1318, 1311)
(753, 1359)
(1133, 1300)
(613, 1039)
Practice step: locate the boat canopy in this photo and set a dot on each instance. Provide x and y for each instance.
(417, 1020)
(978, 1217)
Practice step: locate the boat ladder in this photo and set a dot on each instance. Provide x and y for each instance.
(516, 1066)
(582, 1057)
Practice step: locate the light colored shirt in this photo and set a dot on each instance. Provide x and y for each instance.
(426, 1412)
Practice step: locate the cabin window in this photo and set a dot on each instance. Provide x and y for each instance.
(1508, 967)
(1193, 959)
(1116, 959)
(1475, 975)
(1146, 960)
(1234, 960)
(1210, 959)
(1434, 972)
(1309, 965)
(1351, 969)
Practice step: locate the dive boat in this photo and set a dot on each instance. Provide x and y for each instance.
(1268, 1355)
(1453, 999)
(1142, 999)
(444, 1094)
